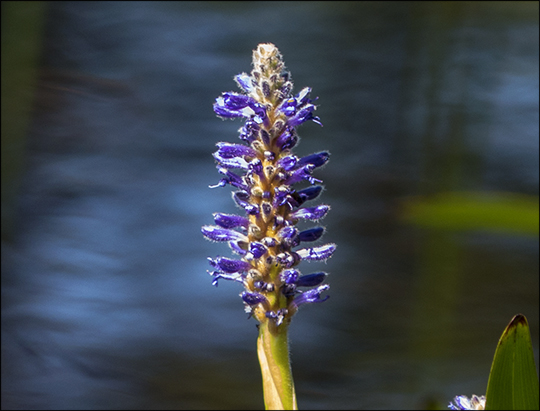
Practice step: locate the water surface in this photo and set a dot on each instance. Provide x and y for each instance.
(105, 298)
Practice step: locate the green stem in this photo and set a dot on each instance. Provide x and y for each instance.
(273, 351)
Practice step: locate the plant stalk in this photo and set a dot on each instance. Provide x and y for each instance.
(273, 351)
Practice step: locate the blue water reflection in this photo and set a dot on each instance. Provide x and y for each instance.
(106, 300)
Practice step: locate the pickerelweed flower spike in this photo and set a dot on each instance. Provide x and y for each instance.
(263, 170)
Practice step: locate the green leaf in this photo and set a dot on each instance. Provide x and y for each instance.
(513, 382)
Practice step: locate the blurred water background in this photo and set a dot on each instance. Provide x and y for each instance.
(430, 113)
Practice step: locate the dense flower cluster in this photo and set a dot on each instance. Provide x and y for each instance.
(266, 237)
(461, 402)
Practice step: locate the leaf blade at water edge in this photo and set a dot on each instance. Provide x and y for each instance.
(513, 382)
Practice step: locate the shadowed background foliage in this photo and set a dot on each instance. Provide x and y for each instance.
(430, 113)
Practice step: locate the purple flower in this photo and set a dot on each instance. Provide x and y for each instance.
(461, 402)
(288, 259)
(228, 150)
(292, 279)
(288, 235)
(235, 101)
(234, 162)
(253, 298)
(234, 155)
(317, 253)
(257, 249)
(300, 174)
(311, 213)
(230, 220)
(232, 105)
(287, 140)
(302, 97)
(317, 159)
(249, 132)
(264, 170)
(242, 199)
(299, 108)
(290, 276)
(311, 296)
(311, 280)
(230, 178)
(222, 234)
(288, 162)
(304, 115)
(307, 194)
(244, 81)
(229, 266)
(313, 234)
(228, 106)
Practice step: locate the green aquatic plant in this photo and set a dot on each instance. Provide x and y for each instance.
(513, 381)
(266, 238)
